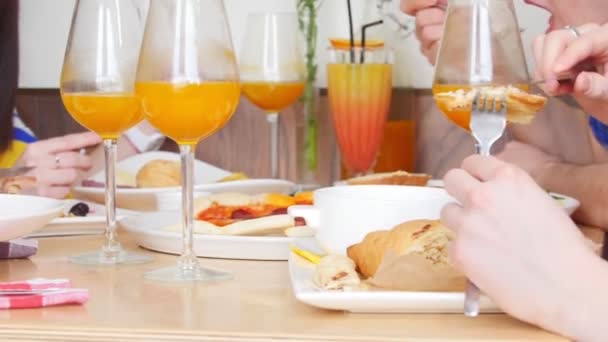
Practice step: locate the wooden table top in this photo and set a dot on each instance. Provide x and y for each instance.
(257, 305)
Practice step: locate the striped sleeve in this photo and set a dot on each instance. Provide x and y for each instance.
(21, 132)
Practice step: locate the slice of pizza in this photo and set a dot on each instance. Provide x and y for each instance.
(227, 209)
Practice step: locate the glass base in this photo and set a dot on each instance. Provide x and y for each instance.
(178, 274)
(103, 258)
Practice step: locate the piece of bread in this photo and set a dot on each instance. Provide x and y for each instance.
(159, 174)
(424, 237)
(16, 184)
(391, 178)
(336, 272)
(521, 105)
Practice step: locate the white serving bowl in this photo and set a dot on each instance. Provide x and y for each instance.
(343, 215)
(22, 215)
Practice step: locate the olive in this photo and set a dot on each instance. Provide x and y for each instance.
(79, 209)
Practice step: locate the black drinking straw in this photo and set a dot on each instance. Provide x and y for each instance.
(363, 29)
(352, 32)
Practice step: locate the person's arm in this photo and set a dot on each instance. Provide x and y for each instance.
(587, 183)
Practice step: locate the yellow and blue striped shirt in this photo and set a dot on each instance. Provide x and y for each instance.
(22, 136)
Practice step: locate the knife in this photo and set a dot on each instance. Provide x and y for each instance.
(15, 171)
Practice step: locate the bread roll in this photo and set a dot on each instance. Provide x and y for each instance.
(391, 178)
(423, 237)
(159, 174)
(521, 106)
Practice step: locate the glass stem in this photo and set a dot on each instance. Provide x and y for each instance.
(188, 261)
(483, 150)
(111, 247)
(273, 120)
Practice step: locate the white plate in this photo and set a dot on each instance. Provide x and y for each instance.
(570, 204)
(92, 224)
(301, 273)
(250, 186)
(23, 215)
(162, 199)
(147, 229)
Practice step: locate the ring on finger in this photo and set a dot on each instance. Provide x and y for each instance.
(57, 162)
(573, 29)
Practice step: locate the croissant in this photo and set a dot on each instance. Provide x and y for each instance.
(424, 237)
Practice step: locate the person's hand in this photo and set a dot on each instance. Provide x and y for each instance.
(429, 24)
(560, 52)
(517, 243)
(58, 163)
(527, 157)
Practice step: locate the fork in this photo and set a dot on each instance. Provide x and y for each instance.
(488, 122)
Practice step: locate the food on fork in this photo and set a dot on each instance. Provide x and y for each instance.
(425, 238)
(391, 178)
(521, 105)
(159, 173)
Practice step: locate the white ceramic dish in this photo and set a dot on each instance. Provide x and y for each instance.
(301, 273)
(23, 215)
(92, 224)
(160, 199)
(147, 229)
(343, 215)
(570, 204)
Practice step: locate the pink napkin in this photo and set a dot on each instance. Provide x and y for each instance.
(37, 293)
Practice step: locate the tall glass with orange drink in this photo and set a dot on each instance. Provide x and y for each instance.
(97, 89)
(359, 96)
(272, 69)
(188, 85)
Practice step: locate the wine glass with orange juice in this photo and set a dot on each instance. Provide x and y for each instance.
(188, 85)
(481, 46)
(97, 89)
(272, 69)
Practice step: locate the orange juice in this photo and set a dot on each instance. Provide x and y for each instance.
(273, 97)
(107, 114)
(189, 112)
(461, 118)
(359, 97)
(398, 149)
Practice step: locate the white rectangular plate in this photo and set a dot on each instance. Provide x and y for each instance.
(301, 273)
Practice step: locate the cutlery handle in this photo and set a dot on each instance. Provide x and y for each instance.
(471, 300)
